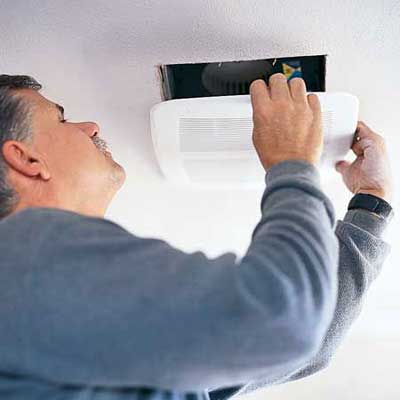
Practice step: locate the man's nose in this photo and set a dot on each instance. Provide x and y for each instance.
(90, 128)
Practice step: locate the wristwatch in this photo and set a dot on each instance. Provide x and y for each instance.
(371, 203)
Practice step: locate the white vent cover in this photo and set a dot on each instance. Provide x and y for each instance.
(208, 140)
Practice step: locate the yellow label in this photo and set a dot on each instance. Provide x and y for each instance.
(289, 71)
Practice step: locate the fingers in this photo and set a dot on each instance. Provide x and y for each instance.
(355, 145)
(313, 102)
(364, 131)
(279, 87)
(365, 137)
(298, 90)
(359, 146)
(259, 95)
(342, 166)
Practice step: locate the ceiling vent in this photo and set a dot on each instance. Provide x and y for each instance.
(208, 140)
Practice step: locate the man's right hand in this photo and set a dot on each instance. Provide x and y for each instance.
(287, 121)
(370, 171)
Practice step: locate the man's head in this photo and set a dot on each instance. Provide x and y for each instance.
(48, 162)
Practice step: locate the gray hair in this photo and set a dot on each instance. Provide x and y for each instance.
(15, 124)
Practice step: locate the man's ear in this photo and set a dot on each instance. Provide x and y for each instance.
(23, 160)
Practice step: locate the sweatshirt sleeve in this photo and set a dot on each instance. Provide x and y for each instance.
(112, 309)
(362, 253)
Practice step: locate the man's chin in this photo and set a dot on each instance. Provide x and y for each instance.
(119, 174)
(123, 174)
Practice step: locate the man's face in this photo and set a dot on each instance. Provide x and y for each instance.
(74, 154)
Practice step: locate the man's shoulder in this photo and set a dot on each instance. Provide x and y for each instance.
(41, 236)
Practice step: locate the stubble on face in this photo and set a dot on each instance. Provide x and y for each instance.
(117, 172)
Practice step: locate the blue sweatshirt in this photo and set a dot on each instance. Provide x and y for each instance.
(90, 311)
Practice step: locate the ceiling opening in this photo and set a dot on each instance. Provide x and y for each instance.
(231, 78)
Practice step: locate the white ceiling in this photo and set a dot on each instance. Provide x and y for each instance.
(98, 59)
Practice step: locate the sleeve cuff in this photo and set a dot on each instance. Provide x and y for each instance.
(293, 168)
(366, 220)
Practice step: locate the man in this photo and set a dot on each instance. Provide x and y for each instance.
(89, 310)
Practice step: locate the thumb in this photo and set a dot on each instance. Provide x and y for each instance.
(341, 166)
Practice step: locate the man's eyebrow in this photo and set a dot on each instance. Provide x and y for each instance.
(61, 109)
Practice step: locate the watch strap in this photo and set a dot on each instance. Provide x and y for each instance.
(371, 203)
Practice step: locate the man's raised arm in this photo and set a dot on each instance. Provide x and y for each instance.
(362, 252)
